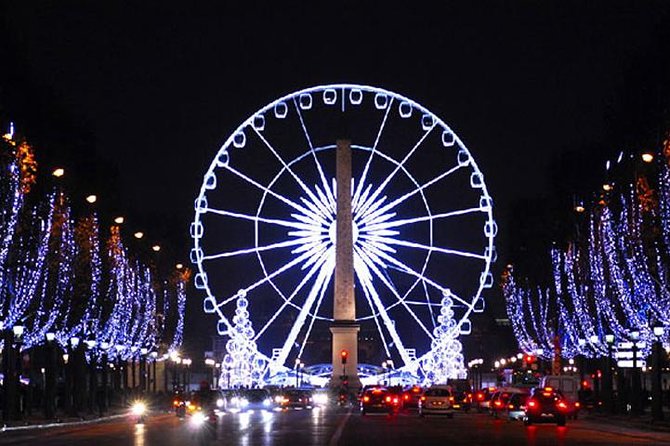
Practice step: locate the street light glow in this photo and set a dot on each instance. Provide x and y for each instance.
(139, 234)
(119, 220)
(58, 172)
(92, 198)
(179, 266)
(647, 157)
(607, 187)
(156, 248)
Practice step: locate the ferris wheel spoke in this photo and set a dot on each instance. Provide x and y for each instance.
(366, 280)
(375, 313)
(382, 225)
(400, 165)
(256, 250)
(371, 214)
(392, 241)
(394, 291)
(315, 201)
(287, 301)
(322, 176)
(272, 221)
(322, 293)
(269, 277)
(274, 194)
(324, 272)
(428, 302)
(408, 270)
(361, 181)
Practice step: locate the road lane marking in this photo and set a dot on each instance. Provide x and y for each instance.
(335, 439)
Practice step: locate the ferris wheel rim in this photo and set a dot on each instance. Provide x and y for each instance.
(365, 88)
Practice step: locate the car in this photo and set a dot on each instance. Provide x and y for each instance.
(516, 406)
(380, 400)
(482, 398)
(411, 396)
(546, 405)
(462, 393)
(252, 399)
(398, 393)
(437, 400)
(500, 399)
(296, 398)
(569, 388)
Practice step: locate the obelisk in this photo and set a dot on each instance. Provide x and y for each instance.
(344, 328)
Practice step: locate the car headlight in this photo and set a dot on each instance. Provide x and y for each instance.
(198, 419)
(267, 402)
(278, 399)
(321, 399)
(219, 402)
(139, 408)
(244, 402)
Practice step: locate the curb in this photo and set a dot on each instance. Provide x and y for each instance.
(67, 424)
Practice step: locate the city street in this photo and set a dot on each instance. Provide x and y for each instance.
(331, 427)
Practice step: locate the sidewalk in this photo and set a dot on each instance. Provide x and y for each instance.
(38, 421)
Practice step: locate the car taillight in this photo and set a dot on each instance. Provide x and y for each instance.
(366, 398)
(562, 405)
(451, 399)
(480, 396)
(388, 399)
(510, 406)
(498, 403)
(175, 403)
(395, 400)
(406, 396)
(577, 404)
(423, 398)
(531, 404)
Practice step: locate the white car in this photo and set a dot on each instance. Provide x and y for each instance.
(437, 400)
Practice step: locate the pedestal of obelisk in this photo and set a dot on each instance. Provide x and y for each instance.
(344, 328)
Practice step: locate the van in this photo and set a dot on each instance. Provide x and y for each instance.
(568, 387)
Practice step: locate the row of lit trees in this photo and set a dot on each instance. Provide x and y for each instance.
(67, 283)
(611, 282)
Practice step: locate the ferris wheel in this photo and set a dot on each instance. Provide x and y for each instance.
(264, 226)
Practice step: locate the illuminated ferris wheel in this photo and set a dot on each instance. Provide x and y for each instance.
(264, 227)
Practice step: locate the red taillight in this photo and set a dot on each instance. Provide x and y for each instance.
(532, 404)
(480, 396)
(366, 398)
(388, 399)
(423, 398)
(498, 403)
(395, 400)
(451, 398)
(510, 406)
(561, 405)
(406, 396)
(577, 404)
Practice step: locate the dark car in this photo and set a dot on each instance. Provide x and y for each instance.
(546, 405)
(500, 399)
(379, 400)
(411, 396)
(516, 406)
(462, 393)
(296, 398)
(482, 398)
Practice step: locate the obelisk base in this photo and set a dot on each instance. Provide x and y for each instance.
(345, 337)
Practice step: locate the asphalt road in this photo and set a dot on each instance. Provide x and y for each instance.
(333, 427)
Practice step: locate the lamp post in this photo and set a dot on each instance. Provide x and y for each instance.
(50, 377)
(607, 379)
(143, 369)
(210, 362)
(187, 372)
(595, 340)
(154, 358)
(636, 384)
(656, 391)
(92, 376)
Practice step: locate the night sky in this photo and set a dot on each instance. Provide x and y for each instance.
(140, 95)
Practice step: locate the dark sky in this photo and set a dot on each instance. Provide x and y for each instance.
(158, 86)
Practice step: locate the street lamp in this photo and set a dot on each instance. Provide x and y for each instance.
(156, 248)
(139, 234)
(91, 198)
(119, 220)
(656, 391)
(647, 157)
(58, 172)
